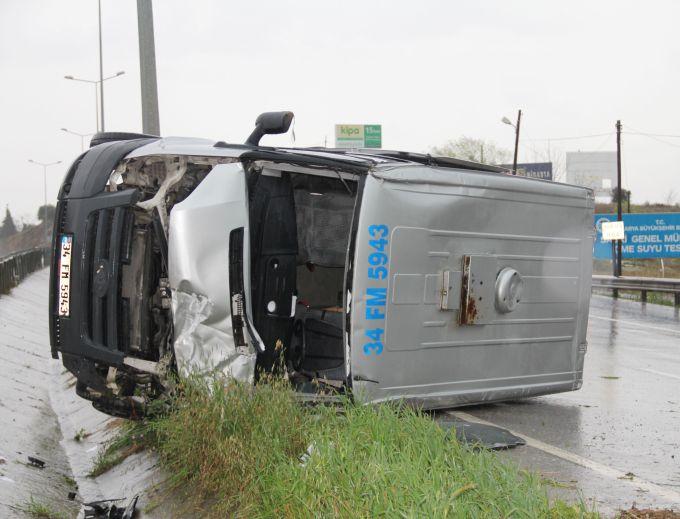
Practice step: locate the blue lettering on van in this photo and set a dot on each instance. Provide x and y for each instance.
(376, 296)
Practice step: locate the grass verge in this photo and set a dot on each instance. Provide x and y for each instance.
(241, 452)
(40, 510)
(125, 442)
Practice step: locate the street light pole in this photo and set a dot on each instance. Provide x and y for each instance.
(101, 67)
(514, 162)
(619, 216)
(81, 135)
(98, 93)
(507, 121)
(44, 165)
(147, 68)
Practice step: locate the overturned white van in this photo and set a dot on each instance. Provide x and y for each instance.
(387, 275)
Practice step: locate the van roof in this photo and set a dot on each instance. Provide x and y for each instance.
(360, 160)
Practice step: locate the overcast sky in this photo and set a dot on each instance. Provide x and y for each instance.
(428, 71)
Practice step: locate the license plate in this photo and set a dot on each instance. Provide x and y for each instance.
(64, 283)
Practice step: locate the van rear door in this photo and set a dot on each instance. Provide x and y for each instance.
(469, 286)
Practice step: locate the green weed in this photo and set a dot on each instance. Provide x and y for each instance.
(37, 509)
(125, 443)
(81, 435)
(234, 450)
(69, 481)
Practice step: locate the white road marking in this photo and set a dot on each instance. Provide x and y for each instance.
(655, 352)
(662, 373)
(604, 470)
(635, 325)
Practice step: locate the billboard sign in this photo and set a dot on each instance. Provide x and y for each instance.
(646, 235)
(358, 136)
(593, 169)
(542, 170)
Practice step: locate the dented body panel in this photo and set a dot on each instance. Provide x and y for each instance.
(198, 258)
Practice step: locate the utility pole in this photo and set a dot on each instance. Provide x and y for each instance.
(147, 68)
(619, 217)
(101, 69)
(514, 162)
(481, 153)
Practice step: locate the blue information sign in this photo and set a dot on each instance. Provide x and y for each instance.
(647, 235)
(542, 170)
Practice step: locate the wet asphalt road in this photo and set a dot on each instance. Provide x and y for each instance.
(618, 438)
(28, 424)
(41, 416)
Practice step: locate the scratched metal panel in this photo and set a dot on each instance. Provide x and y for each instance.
(435, 219)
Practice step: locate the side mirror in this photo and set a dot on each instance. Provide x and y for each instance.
(270, 123)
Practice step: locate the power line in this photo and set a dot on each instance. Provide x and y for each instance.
(662, 141)
(593, 135)
(604, 142)
(571, 138)
(653, 136)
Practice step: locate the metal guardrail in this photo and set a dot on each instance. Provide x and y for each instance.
(642, 285)
(17, 266)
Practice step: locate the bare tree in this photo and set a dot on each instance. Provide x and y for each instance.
(554, 155)
(671, 197)
(477, 150)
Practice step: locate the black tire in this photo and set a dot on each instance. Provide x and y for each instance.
(102, 137)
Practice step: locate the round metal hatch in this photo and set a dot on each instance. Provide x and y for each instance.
(509, 287)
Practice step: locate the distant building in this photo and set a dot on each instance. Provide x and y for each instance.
(593, 169)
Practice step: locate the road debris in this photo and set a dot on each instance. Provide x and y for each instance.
(308, 454)
(36, 462)
(107, 509)
(488, 436)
